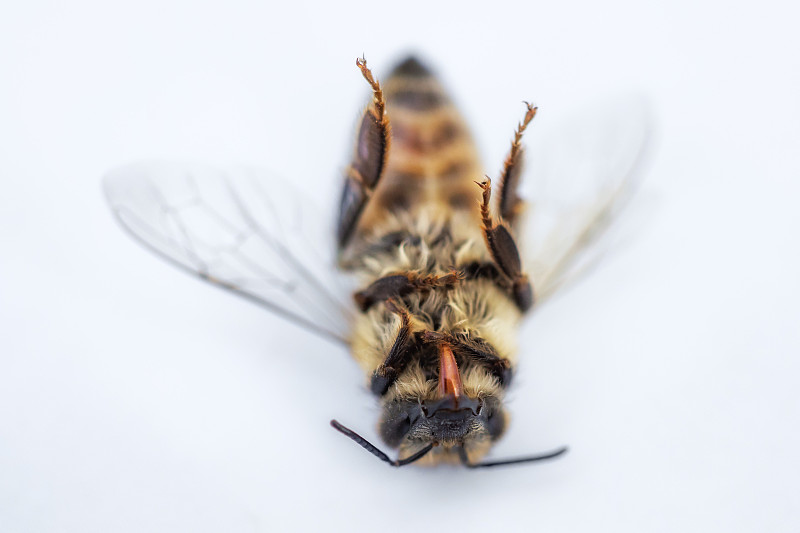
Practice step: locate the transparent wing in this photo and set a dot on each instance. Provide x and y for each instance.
(238, 229)
(582, 173)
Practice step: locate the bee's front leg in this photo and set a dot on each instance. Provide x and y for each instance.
(364, 173)
(479, 352)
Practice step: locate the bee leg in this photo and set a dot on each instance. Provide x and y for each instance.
(369, 160)
(500, 367)
(504, 252)
(510, 202)
(398, 356)
(400, 285)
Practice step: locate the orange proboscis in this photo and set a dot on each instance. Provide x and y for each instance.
(449, 377)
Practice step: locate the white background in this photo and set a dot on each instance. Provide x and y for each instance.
(134, 398)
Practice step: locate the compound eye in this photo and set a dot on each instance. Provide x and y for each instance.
(496, 423)
(396, 423)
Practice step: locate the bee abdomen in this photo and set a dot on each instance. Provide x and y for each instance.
(412, 86)
(411, 67)
(432, 157)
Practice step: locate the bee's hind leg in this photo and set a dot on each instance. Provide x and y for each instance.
(363, 174)
(498, 237)
(504, 252)
(510, 202)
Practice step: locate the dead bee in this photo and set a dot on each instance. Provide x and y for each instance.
(442, 287)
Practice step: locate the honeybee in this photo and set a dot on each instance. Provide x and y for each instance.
(431, 242)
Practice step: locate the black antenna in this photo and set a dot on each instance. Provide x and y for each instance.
(462, 454)
(364, 443)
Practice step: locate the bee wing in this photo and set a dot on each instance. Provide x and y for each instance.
(238, 229)
(583, 173)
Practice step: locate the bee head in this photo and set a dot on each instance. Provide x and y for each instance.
(446, 424)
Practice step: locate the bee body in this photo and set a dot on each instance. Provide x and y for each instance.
(436, 305)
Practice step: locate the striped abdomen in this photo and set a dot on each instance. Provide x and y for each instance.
(432, 159)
